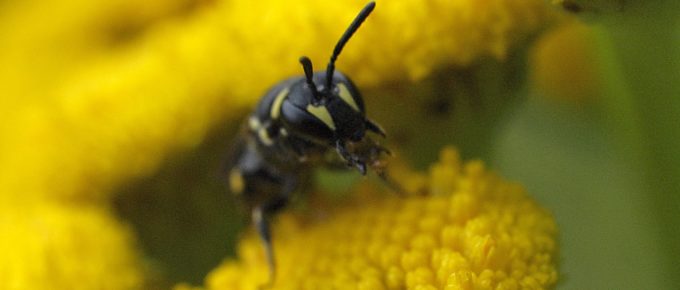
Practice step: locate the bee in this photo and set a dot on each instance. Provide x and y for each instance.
(317, 119)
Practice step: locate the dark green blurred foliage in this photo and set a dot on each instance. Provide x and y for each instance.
(609, 168)
(459, 106)
(185, 220)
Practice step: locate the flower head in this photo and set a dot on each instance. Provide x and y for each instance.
(473, 230)
(51, 246)
(564, 63)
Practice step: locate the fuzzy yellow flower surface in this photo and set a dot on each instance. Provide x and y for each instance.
(51, 246)
(473, 230)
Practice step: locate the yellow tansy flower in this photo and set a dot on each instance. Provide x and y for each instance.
(51, 246)
(564, 63)
(473, 230)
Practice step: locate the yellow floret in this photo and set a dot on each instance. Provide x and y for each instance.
(478, 232)
(50, 246)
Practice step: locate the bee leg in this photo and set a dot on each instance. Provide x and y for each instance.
(375, 128)
(391, 183)
(261, 217)
(352, 160)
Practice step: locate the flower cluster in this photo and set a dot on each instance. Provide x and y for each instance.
(51, 246)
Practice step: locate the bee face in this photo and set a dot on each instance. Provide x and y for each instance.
(326, 115)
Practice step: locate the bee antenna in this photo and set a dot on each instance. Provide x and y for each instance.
(343, 40)
(309, 73)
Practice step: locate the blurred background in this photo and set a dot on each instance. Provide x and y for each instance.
(117, 116)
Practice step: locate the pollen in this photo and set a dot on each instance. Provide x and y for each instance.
(478, 231)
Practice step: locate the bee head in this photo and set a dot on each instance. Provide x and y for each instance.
(327, 107)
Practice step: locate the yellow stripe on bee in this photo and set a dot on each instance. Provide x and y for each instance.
(278, 101)
(347, 97)
(322, 114)
(236, 183)
(264, 137)
(254, 123)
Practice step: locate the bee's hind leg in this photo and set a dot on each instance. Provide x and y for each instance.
(261, 216)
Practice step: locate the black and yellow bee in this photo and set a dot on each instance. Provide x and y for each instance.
(296, 126)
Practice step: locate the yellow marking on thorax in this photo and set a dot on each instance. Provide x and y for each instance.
(347, 97)
(278, 101)
(254, 123)
(236, 182)
(322, 114)
(262, 134)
